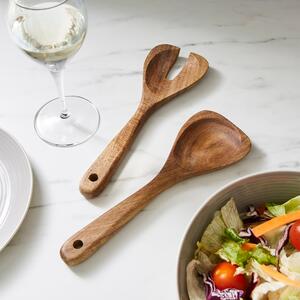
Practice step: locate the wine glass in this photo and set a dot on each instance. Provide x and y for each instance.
(51, 32)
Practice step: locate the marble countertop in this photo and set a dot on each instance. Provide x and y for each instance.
(253, 49)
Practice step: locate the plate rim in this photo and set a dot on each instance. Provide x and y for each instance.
(28, 201)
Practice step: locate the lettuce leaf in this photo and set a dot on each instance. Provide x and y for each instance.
(285, 208)
(290, 265)
(204, 262)
(232, 235)
(284, 293)
(233, 252)
(267, 290)
(194, 281)
(273, 237)
(263, 256)
(212, 238)
(275, 209)
(290, 293)
(231, 216)
(254, 267)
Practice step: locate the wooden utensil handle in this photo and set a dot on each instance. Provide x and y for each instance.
(103, 168)
(84, 243)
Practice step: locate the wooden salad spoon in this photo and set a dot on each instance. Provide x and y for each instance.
(157, 90)
(206, 142)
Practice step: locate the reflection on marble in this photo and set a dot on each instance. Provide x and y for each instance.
(253, 50)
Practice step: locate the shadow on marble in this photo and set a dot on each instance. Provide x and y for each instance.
(23, 244)
(256, 161)
(202, 90)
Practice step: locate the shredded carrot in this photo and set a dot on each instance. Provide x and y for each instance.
(272, 272)
(276, 222)
(248, 246)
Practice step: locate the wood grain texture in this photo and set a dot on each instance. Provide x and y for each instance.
(157, 90)
(205, 143)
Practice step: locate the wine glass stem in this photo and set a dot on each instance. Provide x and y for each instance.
(58, 76)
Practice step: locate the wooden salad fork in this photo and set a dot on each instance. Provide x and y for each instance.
(206, 142)
(157, 90)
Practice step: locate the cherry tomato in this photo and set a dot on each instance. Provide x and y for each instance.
(294, 235)
(224, 278)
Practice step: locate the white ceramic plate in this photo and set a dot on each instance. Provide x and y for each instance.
(15, 187)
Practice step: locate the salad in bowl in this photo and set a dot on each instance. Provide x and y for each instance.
(252, 254)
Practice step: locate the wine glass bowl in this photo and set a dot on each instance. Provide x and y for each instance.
(51, 32)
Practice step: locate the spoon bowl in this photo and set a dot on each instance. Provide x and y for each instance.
(209, 142)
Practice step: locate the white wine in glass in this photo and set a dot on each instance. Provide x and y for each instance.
(51, 32)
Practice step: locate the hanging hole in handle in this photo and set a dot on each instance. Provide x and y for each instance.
(78, 244)
(93, 177)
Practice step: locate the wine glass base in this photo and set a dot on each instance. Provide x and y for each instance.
(59, 130)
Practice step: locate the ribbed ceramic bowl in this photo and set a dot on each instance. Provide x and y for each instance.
(255, 189)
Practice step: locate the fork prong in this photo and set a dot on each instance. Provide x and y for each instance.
(194, 69)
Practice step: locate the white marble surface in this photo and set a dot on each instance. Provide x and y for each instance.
(253, 48)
